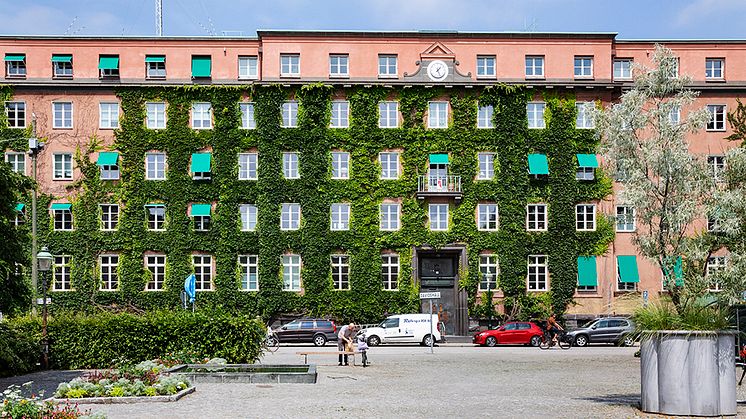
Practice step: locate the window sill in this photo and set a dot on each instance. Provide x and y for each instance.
(583, 78)
(715, 130)
(622, 79)
(388, 76)
(535, 78)
(339, 76)
(55, 77)
(15, 77)
(488, 77)
(715, 80)
(290, 76)
(156, 77)
(249, 78)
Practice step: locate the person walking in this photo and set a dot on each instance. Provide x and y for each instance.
(344, 338)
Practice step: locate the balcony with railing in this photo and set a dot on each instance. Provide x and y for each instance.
(448, 186)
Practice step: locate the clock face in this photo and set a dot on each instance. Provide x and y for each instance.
(437, 70)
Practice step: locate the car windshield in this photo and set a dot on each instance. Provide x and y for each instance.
(588, 324)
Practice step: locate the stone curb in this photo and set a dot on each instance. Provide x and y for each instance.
(126, 400)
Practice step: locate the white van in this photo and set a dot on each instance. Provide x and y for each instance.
(403, 328)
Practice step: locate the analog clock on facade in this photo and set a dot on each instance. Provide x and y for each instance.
(437, 70)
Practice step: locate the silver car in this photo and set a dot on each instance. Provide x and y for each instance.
(617, 330)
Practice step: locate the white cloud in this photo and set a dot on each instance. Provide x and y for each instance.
(705, 10)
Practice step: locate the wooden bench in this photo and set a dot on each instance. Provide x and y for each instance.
(337, 353)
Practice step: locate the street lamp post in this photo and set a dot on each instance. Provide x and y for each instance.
(45, 263)
(34, 147)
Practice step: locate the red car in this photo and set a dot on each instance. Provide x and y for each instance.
(512, 333)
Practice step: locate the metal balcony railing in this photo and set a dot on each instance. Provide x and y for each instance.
(448, 185)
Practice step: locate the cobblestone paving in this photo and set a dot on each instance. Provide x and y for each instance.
(409, 382)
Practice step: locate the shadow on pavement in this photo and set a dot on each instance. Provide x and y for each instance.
(42, 381)
(632, 399)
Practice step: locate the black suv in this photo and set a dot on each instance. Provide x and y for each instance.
(318, 331)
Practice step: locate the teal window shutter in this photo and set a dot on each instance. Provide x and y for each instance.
(200, 162)
(108, 62)
(587, 275)
(15, 57)
(201, 210)
(107, 158)
(61, 207)
(62, 58)
(538, 164)
(439, 159)
(627, 266)
(20, 206)
(587, 160)
(201, 65)
(155, 59)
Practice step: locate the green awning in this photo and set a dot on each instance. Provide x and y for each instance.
(538, 164)
(439, 159)
(201, 210)
(201, 66)
(15, 57)
(107, 158)
(155, 59)
(20, 206)
(108, 62)
(62, 58)
(587, 271)
(587, 160)
(61, 207)
(200, 162)
(154, 205)
(627, 266)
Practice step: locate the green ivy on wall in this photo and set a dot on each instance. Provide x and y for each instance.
(512, 188)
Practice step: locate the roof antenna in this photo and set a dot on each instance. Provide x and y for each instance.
(159, 17)
(70, 27)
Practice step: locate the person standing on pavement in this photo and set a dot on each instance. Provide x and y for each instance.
(344, 338)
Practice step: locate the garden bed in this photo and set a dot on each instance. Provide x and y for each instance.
(246, 373)
(125, 399)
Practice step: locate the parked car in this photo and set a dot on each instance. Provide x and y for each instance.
(511, 333)
(617, 330)
(316, 331)
(403, 328)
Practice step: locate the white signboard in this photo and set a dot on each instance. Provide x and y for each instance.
(429, 295)
(40, 301)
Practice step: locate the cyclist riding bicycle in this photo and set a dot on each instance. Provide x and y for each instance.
(553, 327)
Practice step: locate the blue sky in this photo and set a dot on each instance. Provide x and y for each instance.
(650, 19)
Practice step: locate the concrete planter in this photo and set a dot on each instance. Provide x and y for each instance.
(688, 373)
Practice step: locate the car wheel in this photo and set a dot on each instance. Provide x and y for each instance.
(535, 341)
(490, 341)
(319, 340)
(427, 340)
(374, 340)
(581, 340)
(627, 341)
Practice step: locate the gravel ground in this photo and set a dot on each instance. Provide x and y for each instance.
(409, 382)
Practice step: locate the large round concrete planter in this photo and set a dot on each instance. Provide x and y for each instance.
(688, 373)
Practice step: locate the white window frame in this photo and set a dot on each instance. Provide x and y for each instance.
(340, 165)
(201, 115)
(248, 67)
(534, 281)
(339, 65)
(535, 114)
(390, 216)
(108, 115)
(389, 161)
(340, 114)
(674, 115)
(388, 117)
(249, 268)
(249, 216)
(17, 161)
(585, 173)
(248, 166)
(625, 214)
(63, 218)
(713, 224)
(585, 68)
(62, 115)
(711, 71)
(109, 172)
(156, 115)
(290, 114)
(536, 65)
(12, 111)
(66, 171)
(584, 118)
(489, 270)
(108, 270)
(484, 212)
(486, 66)
(384, 63)
(202, 265)
(109, 217)
(484, 117)
(622, 71)
(155, 70)
(155, 264)
(291, 272)
(290, 216)
(247, 115)
(714, 265)
(585, 211)
(62, 70)
(716, 164)
(202, 222)
(437, 114)
(16, 69)
(340, 216)
(717, 118)
(155, 168)
(540, 220)
(291, 165)
(390, 270)
(438, 217)
(623, 286)
(290, 65)
(154, 224)
(61, 270)
(486, 163)
(340, 278)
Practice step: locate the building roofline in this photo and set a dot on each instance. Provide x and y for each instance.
(425, 33)
(129, 38)
(681, 41)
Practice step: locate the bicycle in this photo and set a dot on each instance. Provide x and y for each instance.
(271, 342)
(563, 340)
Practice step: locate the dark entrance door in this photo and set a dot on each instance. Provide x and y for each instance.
(438, 271)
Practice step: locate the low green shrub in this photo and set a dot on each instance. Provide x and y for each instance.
(20, 349)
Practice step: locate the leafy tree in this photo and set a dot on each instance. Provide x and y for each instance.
(15, 291)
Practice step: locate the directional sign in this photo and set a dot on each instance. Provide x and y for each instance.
(429, 295)
(40, 301)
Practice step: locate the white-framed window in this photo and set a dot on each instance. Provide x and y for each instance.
(249, 266)
(534, 66)
(437, 115)
(341, 272)
(714, 68)
(155, 166)
(486, 166)
(63, 166)
(387, 65)
(63, 69)
(290, 217)
(156, 265)
(583, 67)
(535, 113)
(156, 112)
(248, 217)
(623, 286)
(290, 114)
(290, 165)
(585, 173)
(62, 115)
(389, 161)
(202, 222)
(390, 271)
(63, 219)
(108, 269)
(248, 67)
(713, 224)
(16, 114)
(625, 219)
(340, 114)
(438, 215)
(340, 165)
(109, 216)
(289, 65)
(487, 217)
(390, 214)
(715, 266)
(388, 114)
(155, 69)
(717, 167)
(586, 288)
(674, 70)
(674, 115)
(248, 166)
(584, 117)
(247, 116)
(15, 67)
(484, 116)
(291, 272)
(201, 115)
(17, 161)
(156, 214)
(585, 217)
(623, 69)
(486, 66)
(339, 65)
(109, 172)
(110, 72)
(488, 272)
(538, 273)
(536, 217)
(717, 118)
(202, 272)
(340, 217)
(62, 279)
